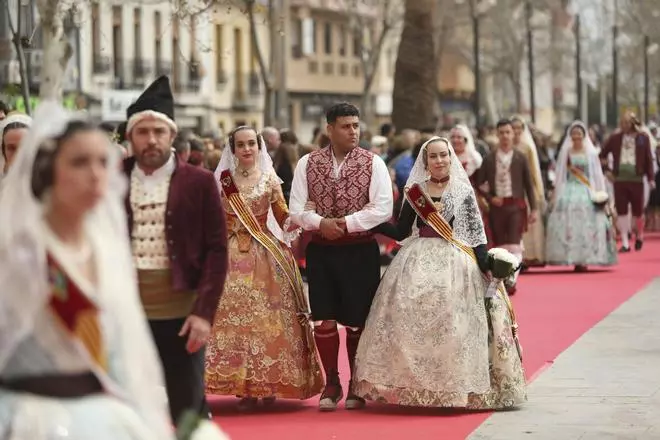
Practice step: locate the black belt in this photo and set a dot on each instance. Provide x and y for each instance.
(65, 386)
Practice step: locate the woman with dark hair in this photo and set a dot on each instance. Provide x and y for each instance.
(261, 345)
(76, 355)
(12, 130)
(286, 159)
(579, 233)
(432, 337)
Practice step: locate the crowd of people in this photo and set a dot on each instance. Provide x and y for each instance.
(144, 268)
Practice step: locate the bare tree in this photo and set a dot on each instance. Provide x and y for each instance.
(371, 24)
(503, 39)
(265, 67)
(20, 42)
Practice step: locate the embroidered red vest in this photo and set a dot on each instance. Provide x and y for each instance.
(339, 197)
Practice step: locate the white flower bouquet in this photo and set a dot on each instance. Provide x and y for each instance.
(194, 427)
(502, 264)
(600, 198)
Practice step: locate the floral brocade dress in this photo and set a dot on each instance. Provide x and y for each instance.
(578, 232)
(258, 346)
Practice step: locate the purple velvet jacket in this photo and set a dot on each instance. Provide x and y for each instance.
(196, 233)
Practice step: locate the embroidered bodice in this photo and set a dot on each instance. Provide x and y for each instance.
(259, 198)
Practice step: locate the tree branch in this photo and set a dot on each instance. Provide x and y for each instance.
(254, 36)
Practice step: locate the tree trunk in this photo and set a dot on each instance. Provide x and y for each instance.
(20, 53)
(264, 70)
(57, 50)
(415, 77)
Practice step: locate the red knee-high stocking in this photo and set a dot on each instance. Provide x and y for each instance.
(327, 342)
(352, 340)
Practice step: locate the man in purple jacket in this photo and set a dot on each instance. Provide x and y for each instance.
(178, 236)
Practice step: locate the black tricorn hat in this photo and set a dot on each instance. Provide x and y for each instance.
(156, 102)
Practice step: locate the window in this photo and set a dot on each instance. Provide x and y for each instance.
(117, 42)
(308, 36)
(343, 40)
(239, 84)
(96, 31)
(176, 54)
(357, 44)
(158, 50)
(327, 38)
(219, 54)
(137, 33)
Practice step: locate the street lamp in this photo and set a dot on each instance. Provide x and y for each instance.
(530, 59)
(615, 63)
(578, 68)
(649, 49)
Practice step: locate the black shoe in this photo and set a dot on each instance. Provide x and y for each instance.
(624, 250)
(638, 244)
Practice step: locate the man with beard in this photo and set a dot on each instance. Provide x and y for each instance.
(632, 163)
(351, 191)
(178, 235)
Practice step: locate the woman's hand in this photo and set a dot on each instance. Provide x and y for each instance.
(310, 206)
(291, 226)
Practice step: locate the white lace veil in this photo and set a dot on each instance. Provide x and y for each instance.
(474, 159)
(458, 199)
(594, 170)
(136, 374)
(527, 138)
(228, 161)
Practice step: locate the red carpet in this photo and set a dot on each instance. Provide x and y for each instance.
(554, 306)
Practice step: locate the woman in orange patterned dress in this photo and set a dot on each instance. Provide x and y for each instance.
(261, 344)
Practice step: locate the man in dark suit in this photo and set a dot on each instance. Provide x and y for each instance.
(178, 236)
(510, 192)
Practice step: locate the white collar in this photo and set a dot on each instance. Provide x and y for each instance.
(161, 173)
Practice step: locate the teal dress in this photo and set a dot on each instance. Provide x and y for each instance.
(578, 233)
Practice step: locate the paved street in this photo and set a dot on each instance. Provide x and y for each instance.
(605, 386)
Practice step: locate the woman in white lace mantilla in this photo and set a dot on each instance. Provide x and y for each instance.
(76, 356)
(534, 238)
(261, 344)
(579, 233)
(432, 338)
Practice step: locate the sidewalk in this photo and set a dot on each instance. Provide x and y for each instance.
(605, 386)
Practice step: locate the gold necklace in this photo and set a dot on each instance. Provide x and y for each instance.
(245, 173)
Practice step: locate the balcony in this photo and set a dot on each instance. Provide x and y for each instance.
(163, 68)
(141, 68)
(221, 77)
(102, 64)
(254, 84)
(121, 79)
(187, 85)
(248, 93)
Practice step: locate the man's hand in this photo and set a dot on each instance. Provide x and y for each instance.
(496, 201)
(198, 330)
(532, 217)
(341, 222)
(331, 229)
(310, 206)
(651, 184)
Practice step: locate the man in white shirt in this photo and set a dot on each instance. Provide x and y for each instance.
(351, 190)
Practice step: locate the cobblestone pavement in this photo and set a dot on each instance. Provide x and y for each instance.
(605, 386)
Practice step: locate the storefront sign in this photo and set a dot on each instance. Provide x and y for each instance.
(115, 102)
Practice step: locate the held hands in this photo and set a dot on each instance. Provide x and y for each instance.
(333, 228)
(198, 330)
(330, 228)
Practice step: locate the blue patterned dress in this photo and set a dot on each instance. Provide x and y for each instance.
(578, 233)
